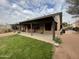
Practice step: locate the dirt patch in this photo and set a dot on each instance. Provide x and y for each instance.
(7, 34)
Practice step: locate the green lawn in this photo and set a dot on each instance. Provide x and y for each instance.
(20, 47)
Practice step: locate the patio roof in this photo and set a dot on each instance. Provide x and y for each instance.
(42, 17)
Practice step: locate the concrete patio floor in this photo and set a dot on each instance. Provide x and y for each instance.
(38, 36)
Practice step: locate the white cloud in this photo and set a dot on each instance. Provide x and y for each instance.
(51, 10)
(3, 2)
(31, 8)
(28, 12)
(22, 2)
(14, 5)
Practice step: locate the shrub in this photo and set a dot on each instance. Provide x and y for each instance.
(76, 29)
(57, 40)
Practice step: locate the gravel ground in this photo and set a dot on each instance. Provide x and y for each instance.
(69, 49)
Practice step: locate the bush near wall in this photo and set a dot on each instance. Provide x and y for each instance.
(57, 40)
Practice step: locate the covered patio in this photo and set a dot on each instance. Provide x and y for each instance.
(44, 28)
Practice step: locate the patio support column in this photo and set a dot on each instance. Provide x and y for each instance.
(31, 29)
(23, 28)
(26, 29)
(58, 19)
(43, 28)
(19, 27)
(53, 28)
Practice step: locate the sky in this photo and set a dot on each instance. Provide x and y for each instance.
(14, 11)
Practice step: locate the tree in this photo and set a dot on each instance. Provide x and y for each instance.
(73, 7)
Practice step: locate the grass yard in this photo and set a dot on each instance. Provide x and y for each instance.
(20, 47)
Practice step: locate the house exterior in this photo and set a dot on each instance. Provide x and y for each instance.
(44, 24)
